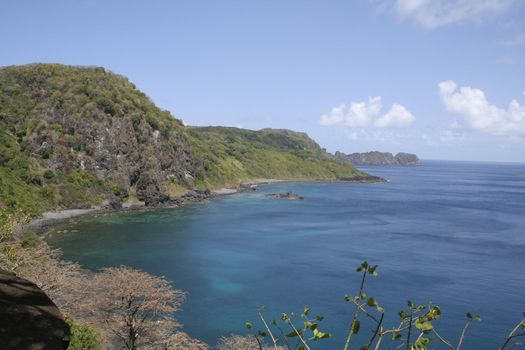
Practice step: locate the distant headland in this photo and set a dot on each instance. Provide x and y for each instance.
(378, 158)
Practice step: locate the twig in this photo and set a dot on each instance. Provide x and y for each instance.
(269, 331)
(298, 334)
(462, 335)
(356, 312)
(447, 343)
(409, 328)
(512, 335)
(367, 346)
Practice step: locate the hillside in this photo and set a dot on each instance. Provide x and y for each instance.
(227, 156)
(78, 136)
(74, 137)
(377, 158)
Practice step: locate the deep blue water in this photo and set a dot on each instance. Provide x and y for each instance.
(449, 232)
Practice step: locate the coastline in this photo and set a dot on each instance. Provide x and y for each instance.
(57, 217)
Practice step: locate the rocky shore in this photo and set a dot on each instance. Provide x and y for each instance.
(47, 219)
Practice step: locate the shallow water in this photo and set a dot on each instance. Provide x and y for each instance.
(449, 232)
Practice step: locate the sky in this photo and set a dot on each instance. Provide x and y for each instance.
(444, 79)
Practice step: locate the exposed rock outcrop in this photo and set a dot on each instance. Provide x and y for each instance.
(86, 135)
(287, 195)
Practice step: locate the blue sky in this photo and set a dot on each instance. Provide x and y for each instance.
(444, 79)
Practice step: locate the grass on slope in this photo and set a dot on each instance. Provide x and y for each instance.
(229, 156)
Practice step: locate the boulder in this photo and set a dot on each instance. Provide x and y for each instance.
(29, 320)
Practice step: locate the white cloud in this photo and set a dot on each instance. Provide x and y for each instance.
(336, 116)
(436, 13)
(397, 116)
(476, 112)
(362, 113)
(367, 113)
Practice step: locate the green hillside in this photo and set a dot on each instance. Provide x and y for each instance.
(74, 137)
(227, 156)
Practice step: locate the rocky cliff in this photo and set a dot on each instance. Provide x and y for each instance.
(377, 158)
(78, 136)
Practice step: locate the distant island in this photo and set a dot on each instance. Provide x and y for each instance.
(377, 158)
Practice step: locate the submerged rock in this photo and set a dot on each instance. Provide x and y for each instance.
(288, 195)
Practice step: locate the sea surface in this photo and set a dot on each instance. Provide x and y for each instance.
(448, 232)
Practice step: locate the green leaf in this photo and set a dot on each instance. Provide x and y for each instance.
(248, 325)
(362, 267)
(320, 335)
(371, 302)
(356, 325)
(396, 336)
(473, 318)
(372, 270)
(262, 334)
(421, 344)
(424, 325)
(410, 304)
(436, 312)
(294, 333)
(306, 311)
(319, 318)
(403, 315)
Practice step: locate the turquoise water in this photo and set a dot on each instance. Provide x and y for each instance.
(449, 232)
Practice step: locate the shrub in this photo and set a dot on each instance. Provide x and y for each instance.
(30, 239)
(84, 336)
(48, 174)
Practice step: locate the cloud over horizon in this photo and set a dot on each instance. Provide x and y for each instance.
(436, 13)
(367, 114)
(475, 112)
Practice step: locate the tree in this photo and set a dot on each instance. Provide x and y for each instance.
(137, 307)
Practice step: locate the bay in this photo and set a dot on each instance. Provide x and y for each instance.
(448, 232)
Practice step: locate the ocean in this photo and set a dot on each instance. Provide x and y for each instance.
(452, 233)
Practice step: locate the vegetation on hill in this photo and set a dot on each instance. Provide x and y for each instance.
(227, 156)
(76, 136)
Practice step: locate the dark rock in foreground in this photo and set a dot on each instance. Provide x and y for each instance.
(288, 195)
(377, 158)
(28, 318)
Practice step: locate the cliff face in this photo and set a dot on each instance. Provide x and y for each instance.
(76, 136)
(378, 158)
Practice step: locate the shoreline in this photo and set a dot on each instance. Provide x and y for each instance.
(62, 216)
